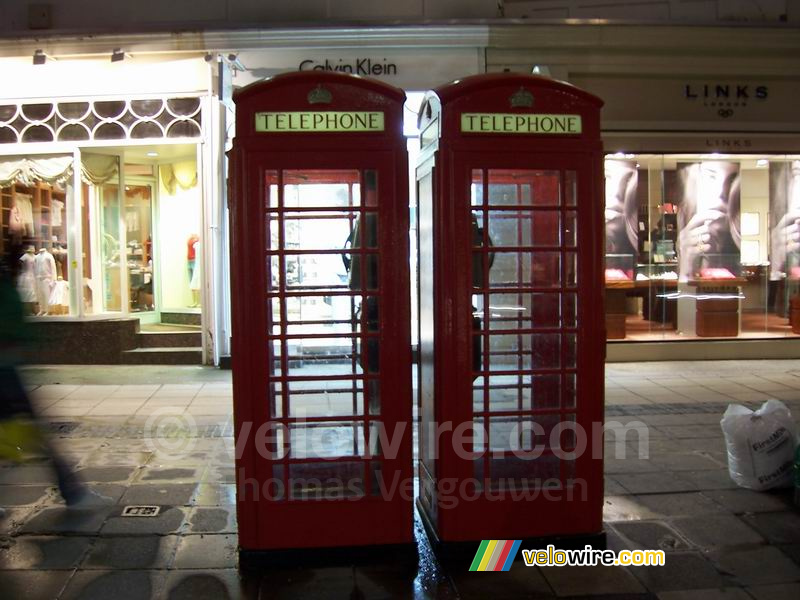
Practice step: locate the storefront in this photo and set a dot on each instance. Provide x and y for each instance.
(699, 128)
(110, 200)
(702, 182)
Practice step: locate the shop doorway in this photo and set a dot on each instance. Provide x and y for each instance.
(143, 236)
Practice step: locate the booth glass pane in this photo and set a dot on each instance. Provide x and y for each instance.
(570, 188)
(524, 187)
(322, 258)
(324, 189)
(326, 480)
(523, 228)
(326, 439)
(476, 188)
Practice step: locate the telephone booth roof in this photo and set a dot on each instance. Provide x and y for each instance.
(318, 92)
(509, 94)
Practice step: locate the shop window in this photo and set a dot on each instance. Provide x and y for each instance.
(33, 199)
(702, 246)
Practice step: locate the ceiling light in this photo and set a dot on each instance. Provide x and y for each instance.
(151, 154)
(762, 162)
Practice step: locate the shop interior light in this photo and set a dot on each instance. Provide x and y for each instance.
(762, 162)
(151, 154)
(542, 70)
(117, 55)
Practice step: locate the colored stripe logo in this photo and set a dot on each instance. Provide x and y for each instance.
(495, 555)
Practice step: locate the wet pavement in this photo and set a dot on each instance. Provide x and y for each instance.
(720, 541)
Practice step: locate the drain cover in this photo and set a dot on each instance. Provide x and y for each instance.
(141, 511)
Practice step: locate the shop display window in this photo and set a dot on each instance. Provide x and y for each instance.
(34, 194)
(702, 246)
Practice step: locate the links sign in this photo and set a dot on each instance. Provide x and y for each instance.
(323, 121)
(525, 124)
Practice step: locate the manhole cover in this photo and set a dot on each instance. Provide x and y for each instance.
(141, 511)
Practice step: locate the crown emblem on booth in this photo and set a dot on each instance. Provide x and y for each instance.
(522, 98)
(319, 95)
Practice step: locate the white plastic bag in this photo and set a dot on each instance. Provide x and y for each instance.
(760, 445)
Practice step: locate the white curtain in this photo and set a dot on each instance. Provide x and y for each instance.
(27, 171)
(56, 169)
(96, 169)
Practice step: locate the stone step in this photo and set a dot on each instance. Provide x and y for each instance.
(181, 318)
(163, 356)
(169, 339)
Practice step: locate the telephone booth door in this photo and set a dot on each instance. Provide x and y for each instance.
(512, 334)
(320, 290)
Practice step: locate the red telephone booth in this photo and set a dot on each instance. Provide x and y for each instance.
(320, 297)
(512, 331)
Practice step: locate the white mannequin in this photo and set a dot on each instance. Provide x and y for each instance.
(26, 284)
(45, 270)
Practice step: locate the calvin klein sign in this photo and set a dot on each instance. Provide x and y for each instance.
(356, 66)
(725, 97)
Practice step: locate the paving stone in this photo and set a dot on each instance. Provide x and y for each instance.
(219, 584)
(215, 494)
(398, 581)
(746, 501)
(755, 565)
(685, 462)
(25, 474)
(678, 505)
(713, 531)
(106, 474)
(212, 520)
(32, 585)
(612, 487)
(206, 551)
(174, 475)
(655, 483)
(169, 520)
(792, 551)
(691, 431)
(629, 465)
(579, 581)
(119, 585)
(709, 480)
(66, 520)
(680, 571)
(177, 494)
(22, 495)
(328, 583)
(730, 593)
(625, 508)
(777, 527)
(781, 591)
(650, 535)
(43, 552)
(141, 552)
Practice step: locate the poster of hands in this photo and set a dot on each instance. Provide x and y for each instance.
(708, 220)
(784, 226)
(621, 215)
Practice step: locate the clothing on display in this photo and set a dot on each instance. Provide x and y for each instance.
(194, 284)
(23, 211)
(59, 297)
(56, 206)
(26, 282)
(45, 271)
(191, 255)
